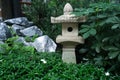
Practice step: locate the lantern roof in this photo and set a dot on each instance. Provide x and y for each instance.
(68, 17)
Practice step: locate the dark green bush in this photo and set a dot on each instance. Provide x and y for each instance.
(18, 62)
(101, 32)
(21, 66)
(40, 12)
(75, 72)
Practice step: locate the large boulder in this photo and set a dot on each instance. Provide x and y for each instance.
(31, 31)
(4, 32)
(44, 44)
(16, 29)
(19, 21)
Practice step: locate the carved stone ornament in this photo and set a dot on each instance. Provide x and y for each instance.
(69, 38)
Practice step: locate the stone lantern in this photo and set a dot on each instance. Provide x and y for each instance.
(69, 38)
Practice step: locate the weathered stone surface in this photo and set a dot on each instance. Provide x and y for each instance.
(4, 32)
(69, 38)
(44, 44)
(31, 31)
(23, 41)
(41, 44)
(1, 42)
(16, 29)
(0, 19)
(21, 28)
(20, 21)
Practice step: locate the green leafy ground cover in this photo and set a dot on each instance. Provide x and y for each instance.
(18, 62)
(101, 31)
(27, 66)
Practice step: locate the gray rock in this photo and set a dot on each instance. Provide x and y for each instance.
(44, 44)
(31, 31)
(4, 32)
(20, 21)
(41, 44)
(1, 42)
(1, 19)
(16, 29)
(23, 41)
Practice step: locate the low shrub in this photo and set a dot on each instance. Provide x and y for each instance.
(22, 66)
(46, 66)
(20, 63)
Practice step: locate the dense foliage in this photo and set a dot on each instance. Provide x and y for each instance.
(101, 32)
(40, 12)
(27, 64)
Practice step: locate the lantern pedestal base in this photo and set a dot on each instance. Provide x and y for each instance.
(69, 43)
(68, 55)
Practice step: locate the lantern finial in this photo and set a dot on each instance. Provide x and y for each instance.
(68, 9)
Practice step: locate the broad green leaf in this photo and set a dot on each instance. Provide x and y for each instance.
(119, 57)
(86, 35)
(80, 9)
(113, 55)
(101, 16)
(102, 23)
(92, 31)
(85, 26)
(115, 26)
(111, 48)
(97, 49)
(113, 20)
(83, 50)
(105, 39)
(116, 19)
(84, 30)
(90, 10)
(99, 60)
(78, 14)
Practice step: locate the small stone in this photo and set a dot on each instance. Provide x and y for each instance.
(16, 29)
(0, 19)
(31, 31)
(44, 44)
(4, 32)
(1, 42)
(19, 21)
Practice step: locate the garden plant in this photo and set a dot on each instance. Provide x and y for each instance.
(19, 62)
(101, 32)
(101, 60)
